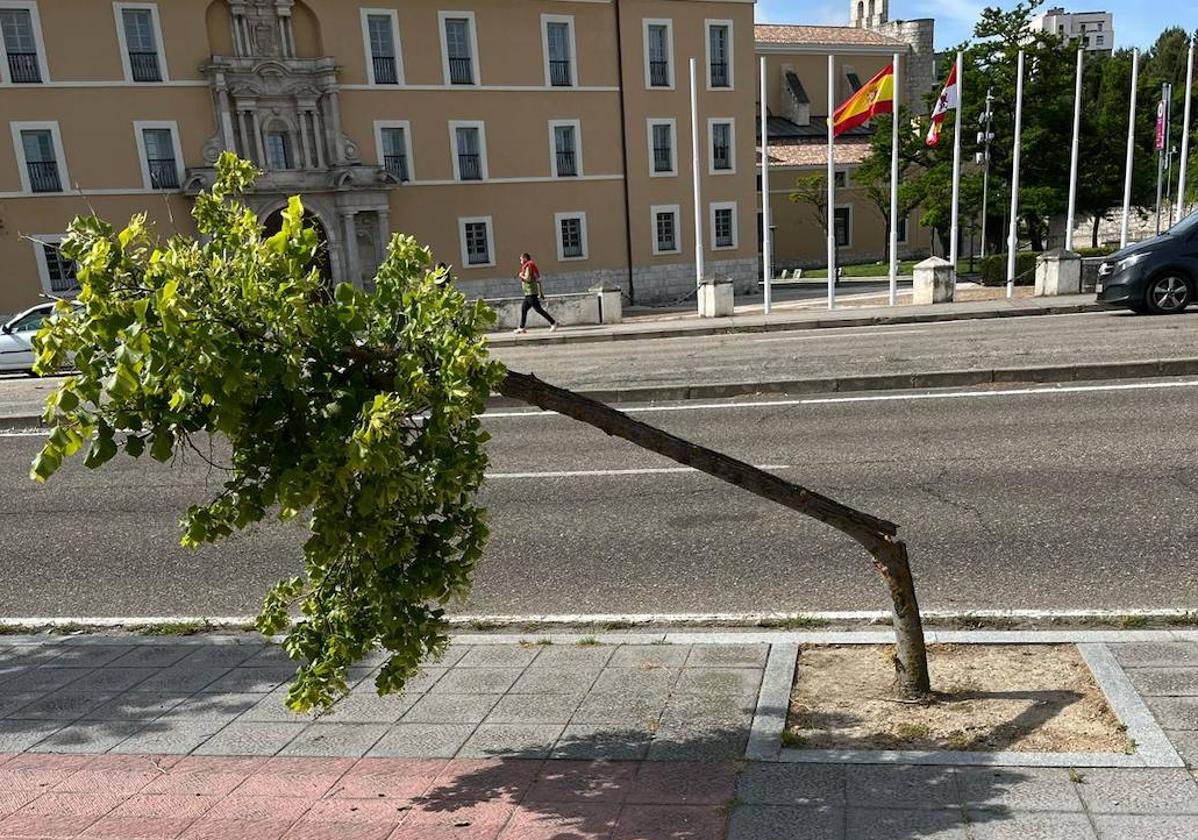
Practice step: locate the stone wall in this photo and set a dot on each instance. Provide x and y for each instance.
(919, 66)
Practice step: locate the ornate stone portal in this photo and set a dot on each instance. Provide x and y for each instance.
(283, 112)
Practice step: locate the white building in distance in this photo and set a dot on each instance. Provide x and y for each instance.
(1096, 30)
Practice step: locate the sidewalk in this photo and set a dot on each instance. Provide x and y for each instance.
(629, 736)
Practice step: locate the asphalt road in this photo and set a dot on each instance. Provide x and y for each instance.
(1054, 499)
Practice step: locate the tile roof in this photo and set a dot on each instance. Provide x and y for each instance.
(773, 33)
(853, 151)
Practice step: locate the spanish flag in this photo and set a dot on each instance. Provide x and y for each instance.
(875, 97)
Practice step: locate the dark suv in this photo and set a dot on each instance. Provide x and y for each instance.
(1158, 275)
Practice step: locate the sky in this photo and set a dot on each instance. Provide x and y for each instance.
(955, 18)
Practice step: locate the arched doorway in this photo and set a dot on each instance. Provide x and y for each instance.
(273, 223)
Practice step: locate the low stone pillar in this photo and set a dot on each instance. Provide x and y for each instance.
(1058, 272)
(716, 298)
(935, 281)
(611, 303)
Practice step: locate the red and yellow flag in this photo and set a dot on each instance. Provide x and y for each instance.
(875, 97)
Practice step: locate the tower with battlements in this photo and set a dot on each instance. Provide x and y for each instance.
(920, 34)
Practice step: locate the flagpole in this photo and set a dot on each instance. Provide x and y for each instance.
(1185, 137)
(894, 182)
(1131, 146)
(831, 214)
(1162, 119)
(695, 171)
(767, 244)
(1013, 234)
(1073, 160)
(954, 230)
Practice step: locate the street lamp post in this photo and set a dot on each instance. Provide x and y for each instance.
(986, 137)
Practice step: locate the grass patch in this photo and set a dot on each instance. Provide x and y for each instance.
(1189, 619)
(1133, 622)
(912, 731)
(794, 622)
(587, 641)
(177, 628)
(69, 629)
(525, 643)
(16, 630)
(618, 625)
(793, 740)
(1077, 776)
(483, 626)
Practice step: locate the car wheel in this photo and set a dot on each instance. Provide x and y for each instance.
(1167, 294)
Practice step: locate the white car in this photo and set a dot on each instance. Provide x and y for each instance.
(16, 338)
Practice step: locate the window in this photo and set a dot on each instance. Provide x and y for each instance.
(559, 50)
(571, 236)
(158, 144)
(723, 224)
(278, 150)
(719, 54)
(663, 158)
(1100, 40)
(478, 243)
(722, 156)
(844, 227)
(840, 179)
(902, 230)
(20, 38)
(140, 36)
(57, 273)
(380, 29)
(459, 47)
(853, 79)
(566, 157)
(659, 53)
(394, 143)
(39, 156)
(469, 151)
(665, 229)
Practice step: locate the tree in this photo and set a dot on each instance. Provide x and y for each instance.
(359, 410)
(812, 190)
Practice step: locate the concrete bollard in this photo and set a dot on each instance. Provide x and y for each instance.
(716, 298)
(1058, 272)
(611, 303)
(934, 281)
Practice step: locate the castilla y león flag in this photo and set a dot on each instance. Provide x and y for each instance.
(875, 97)
(950, 98)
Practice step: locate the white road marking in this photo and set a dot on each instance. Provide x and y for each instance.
(837, 334)
(600, 473)
(901, 397)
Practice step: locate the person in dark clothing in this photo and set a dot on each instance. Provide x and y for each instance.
(530, 284)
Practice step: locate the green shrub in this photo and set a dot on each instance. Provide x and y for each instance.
(993, 269)
(1103, 251)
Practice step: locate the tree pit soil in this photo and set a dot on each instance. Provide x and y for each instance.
(1022, 698)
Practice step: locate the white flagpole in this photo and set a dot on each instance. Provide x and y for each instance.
(894, 182)
(767, 244)
(1185, 138)
(1131, 147)
(831, 214)
(1077, 122)
(1013, 234)
(954, 230)
(695, 170)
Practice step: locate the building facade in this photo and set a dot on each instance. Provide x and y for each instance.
(483, 128)
(1093, 30)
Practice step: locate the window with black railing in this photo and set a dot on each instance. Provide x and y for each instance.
(470, 166)
(461, 70)
(144, 66)
(43, 176)
(559, 72)
(719, 74)
(717, 46)
(459, 51)
(721, 147)
(659, 73)
(724, 237)
(164, 173)
(23, 68)
(567, 163)
(397, 165)
(385, 70)
(60, 271)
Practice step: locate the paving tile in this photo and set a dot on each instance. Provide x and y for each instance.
(182, 678)
(671, 822)
(88, 656)
(1186, 744)
(401, 779)
(474, 815)
(176, 739)
(498, 656)
(587, 741)
(88, 736)
(260, 680)
(583, 781)
(535, 708)
(693, 709)
(135, 705)
(573, 657)
(243, 737)
(621, 707)
(272, 708)
(900, 786)
(1165, 682)
(728, 656)
(649, 656)
(220, 656)
(62, 814)
(423, 740)
(1136, 791)
(13, 801)
(732, 682)
(1017, 789)
(1155, 654)
(270, 656)
(873, 824)
(577, 821)
(781, 822)
(451, 708)
(476, 681)
(11, 704)
(344, 810)
(423, 681)
(40, 773)
(1112, 827)
(496, 780)
(155, 656)
(120, 775)
(684, 783)
(20, 735)
(524, 740)
(137, 828)
(64, 704)
(485, 831)
(993, 825)
(44, 679)
(812, 785)
(203, 776)
(453, 654)
(207, 828)
(292, 776)
(309, 829)
(112, 679)
(336, 739)
(555, 681)
(162, 805)
(636, 680)
(365, 706)
(1174, 712)
(211, 706)
(698, 743)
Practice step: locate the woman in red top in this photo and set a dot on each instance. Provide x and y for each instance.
(530, 284)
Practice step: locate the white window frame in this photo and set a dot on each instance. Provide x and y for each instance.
(64, 178)
(36, 22)
(143, 157)
(39, 255)
(366, 14)
(117, 9)
(707, 24)
(668, 23)
(475, 62)
(712, 122)
(406, 125)
(841, 179)
(454, 125)
(558, 218)
(673, 124)
(848, 227)
(577, 126)
(724, 205)
(569, 21)
(905, 230)
(465, 220)
(665, 208)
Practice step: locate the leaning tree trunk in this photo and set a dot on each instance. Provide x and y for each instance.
(878, 536)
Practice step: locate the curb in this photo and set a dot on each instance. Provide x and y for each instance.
(506, 340)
